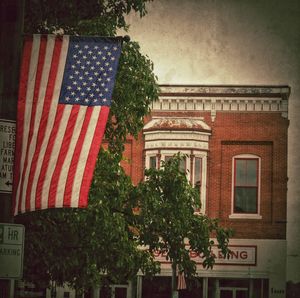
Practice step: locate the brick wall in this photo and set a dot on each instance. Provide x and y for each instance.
(261, 134)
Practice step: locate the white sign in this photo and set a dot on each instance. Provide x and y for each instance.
(239, 255)
(11, 250)
(7, 152)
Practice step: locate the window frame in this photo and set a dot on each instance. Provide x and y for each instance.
(248, 215)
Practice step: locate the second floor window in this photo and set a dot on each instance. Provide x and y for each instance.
(193, 164)
(246, 185)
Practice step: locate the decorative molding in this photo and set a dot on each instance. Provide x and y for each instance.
(223, 99)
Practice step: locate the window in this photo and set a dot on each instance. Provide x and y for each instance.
(182, 165)
(152, 162)
(194, 164)
(197, 173)
(246, 174)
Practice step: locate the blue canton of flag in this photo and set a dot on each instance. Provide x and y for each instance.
(90, 71)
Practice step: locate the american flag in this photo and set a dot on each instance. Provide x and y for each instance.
(181, 284)
(65, 92)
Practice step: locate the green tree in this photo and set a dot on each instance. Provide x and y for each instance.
(169, 224)
(77, 246)
(88, 247)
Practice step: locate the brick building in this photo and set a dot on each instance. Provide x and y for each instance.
(235, 138)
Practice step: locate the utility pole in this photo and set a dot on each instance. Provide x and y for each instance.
(11, 29)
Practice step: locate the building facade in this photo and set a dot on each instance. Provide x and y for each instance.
(235, 141)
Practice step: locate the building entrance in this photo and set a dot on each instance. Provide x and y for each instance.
(237, 288)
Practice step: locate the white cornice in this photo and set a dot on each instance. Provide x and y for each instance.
(223, 99)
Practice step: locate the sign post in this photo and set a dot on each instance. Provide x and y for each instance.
(11, 251)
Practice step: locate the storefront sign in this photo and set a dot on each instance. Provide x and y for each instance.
(240, 255)
(7, 149)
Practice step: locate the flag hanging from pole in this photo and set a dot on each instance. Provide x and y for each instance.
(65, 92)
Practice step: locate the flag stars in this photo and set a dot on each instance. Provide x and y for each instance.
(90, 72)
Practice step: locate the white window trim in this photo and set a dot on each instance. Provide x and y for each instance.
(246, 215)
(148, 155)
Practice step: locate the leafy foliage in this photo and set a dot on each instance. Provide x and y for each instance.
(80, 246)
(93, 17)
(168, 222)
